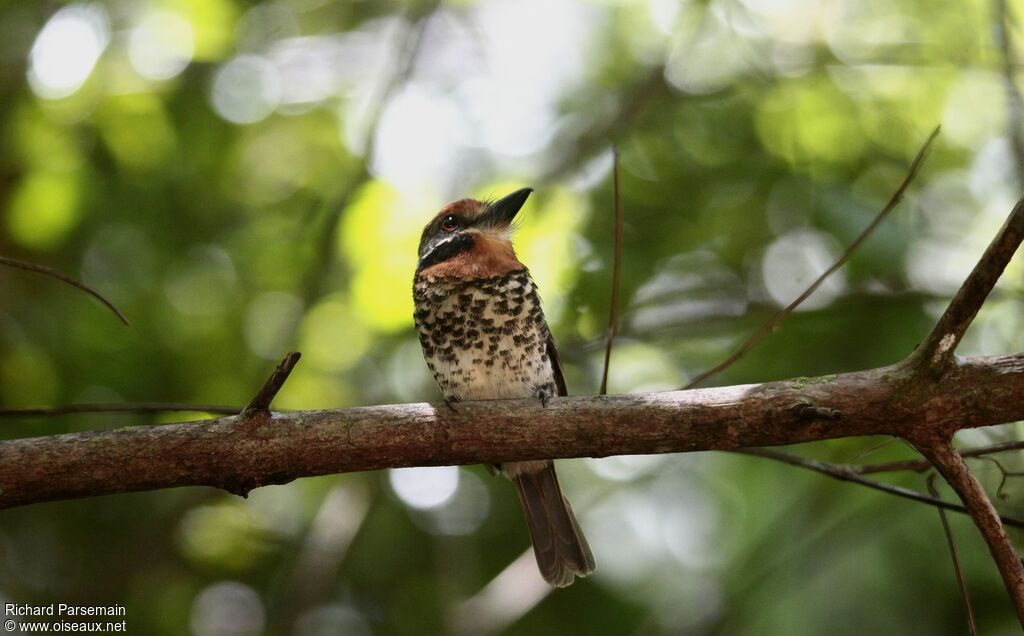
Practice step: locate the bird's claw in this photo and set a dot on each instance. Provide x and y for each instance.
(545, 397)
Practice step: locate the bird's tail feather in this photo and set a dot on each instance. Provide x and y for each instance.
(558, 543)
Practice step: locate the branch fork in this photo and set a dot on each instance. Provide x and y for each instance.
(935, 360)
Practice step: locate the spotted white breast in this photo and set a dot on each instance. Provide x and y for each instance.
(485, 338)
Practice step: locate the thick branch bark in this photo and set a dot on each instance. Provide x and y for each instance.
(236, 455)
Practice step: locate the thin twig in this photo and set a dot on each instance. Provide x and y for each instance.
(972, 628)
(780, 315)
(261, 402)
(921, 465)
(943, 456)
(125, 407)
(613, 312)
(1004, 476)
(849, 473)
(52, 273)
(871, 449)
(936, 353)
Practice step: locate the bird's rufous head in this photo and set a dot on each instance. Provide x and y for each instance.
(471, 239)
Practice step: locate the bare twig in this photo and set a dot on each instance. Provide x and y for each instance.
(936, 353)
(849, 473)
(266, 394)
(52, 273)
(781, 315)
(943, 456)
(126, 407)
(874, 448)
(921, 465)
(1004, 475)
(613, 312)
(972, 628)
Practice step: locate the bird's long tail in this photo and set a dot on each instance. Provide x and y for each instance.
(558, 543)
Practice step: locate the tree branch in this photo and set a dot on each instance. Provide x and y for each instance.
(933, 363)
(236, 455)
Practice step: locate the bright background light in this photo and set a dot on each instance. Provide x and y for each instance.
(161, 46)
(67, 49)
(424, 488)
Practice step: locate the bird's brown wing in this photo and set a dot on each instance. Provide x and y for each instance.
(556, 365)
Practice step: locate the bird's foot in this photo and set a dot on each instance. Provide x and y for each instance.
(450, 403)
(544, 397)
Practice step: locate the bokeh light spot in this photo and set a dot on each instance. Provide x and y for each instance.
(544, 240)
(333, 338)
(810, 121)
(269, 320)
(213, 24)
(226, 535)
(462, 513)
(67, 49)
(202, 284)
(424, 488)
(329, 620)
(246, 89)
(137, 130)
(380, 234)
(44, 209)
(419, 132)
(28, 377)
(227, 608)
(794, 260)
(161, 46)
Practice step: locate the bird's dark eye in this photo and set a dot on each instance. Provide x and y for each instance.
(449, 223)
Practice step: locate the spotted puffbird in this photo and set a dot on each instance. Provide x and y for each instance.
(484, 336)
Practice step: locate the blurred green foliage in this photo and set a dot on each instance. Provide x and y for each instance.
(247, 178)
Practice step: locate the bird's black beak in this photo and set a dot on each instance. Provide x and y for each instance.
(501, 212)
